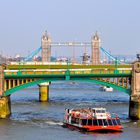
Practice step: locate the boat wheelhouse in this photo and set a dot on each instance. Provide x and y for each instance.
(92, 119)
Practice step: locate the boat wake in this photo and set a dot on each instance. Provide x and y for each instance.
(54, 123)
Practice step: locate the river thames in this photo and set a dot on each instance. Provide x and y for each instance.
(31, 119)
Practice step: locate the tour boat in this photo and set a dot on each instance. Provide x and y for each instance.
(92, 119)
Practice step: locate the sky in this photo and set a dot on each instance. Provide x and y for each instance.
(22, 23)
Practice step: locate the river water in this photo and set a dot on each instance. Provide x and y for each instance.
(32, 120)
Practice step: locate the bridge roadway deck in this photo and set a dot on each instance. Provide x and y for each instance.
(73, 73)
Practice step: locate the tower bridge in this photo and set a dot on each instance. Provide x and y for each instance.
(47, 44)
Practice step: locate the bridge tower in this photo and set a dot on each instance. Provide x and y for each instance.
(134, 104)
(5, 104)
(95, 49)
(46, 47)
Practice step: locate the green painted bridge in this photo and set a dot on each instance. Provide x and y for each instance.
(17, 77)
(125, 78)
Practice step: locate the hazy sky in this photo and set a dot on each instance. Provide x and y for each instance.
(23, 21)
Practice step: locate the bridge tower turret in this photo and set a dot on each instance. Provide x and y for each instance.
(46, 47)
(134, 104)
(95, 49)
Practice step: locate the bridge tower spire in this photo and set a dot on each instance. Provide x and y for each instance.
(46, 47)
(95, 49)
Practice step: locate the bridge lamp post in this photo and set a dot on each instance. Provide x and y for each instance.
(19, 66)
(67, 73)
(116, 65)
(138, 56)
(67, 63)
(116, 62)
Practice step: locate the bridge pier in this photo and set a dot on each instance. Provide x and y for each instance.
(5, 107)
(134, 107)
(5, 103)
(44, 92)
(134, 103)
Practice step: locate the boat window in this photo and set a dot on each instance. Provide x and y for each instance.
(100, 122)
(84, 122)
(110, 122)
(114, 122)
(73, 120)
(89, 122)
(77, 120)
(103, 111)
(100, 111)
(95, 122)
(105, 122)
(118, 121)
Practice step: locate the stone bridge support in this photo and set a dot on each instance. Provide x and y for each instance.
(5, 107)
(44, 92)
(5, 104)
(134, 104)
